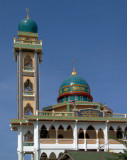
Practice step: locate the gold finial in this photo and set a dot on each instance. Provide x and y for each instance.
(73, 63)
(27, 10)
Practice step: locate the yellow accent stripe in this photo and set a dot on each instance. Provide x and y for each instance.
(74, 85)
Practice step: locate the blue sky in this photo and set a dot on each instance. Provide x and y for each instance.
(94, 33)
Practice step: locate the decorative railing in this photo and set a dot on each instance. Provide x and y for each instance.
(115, 115)
(71, 114)
(47, 113)
(80, 141)
(28, 93)
(56, 141)
(28, 69)
(28, 144)
(27, 42)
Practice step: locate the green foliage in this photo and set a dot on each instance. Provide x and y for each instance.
(121, 156)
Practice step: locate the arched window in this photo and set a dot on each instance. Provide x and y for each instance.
(28, 61)
(61, 132)
(60, 154)
(119, 133)
(100, 134)
(76, 97)
(43, 156)
(111, 132)
(125, 133)
(28, 136)
(44, 132)
(90, 133)
(52, 132)
(69, 132)
(28, 110)
(81, 98)
(81, 134)
(52, 156)
(28, 85)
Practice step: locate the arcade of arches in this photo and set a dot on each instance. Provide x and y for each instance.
(90, 133)
(52, 156)
(67, 133)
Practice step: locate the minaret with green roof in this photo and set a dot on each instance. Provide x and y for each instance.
(28, 52)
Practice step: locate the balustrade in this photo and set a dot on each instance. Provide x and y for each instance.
(28, 42)
(28, 93)
(27, 143)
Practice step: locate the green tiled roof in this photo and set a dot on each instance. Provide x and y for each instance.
(18, 120)
(29, 46)
(65, 103)
(70, 118)
(80, 155)
(27, 33)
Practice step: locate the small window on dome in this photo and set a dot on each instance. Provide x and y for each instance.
(81, 98)
(76, 97)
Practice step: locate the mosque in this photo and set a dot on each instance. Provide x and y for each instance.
(74, 126)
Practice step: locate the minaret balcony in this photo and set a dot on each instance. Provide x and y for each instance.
(28, 69)
(28, 93)
(27, 44)
(28, 143)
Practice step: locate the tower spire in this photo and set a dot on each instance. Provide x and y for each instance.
(73, 63)
(27, 10)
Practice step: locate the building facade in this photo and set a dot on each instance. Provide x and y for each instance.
(74, 123)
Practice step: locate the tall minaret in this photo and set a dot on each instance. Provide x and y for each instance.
(28, 52)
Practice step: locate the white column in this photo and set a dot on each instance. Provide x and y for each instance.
(97, 141)
(20, 143)
(106, 137)
(85, 144)
(56, 136)
(36, 141)
(75, 132)
(32, 156)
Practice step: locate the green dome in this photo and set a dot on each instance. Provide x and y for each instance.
(27, 25)
(74, 80)
(74, 86)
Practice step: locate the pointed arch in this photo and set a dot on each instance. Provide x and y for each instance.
(28, 61)
(52, 132)
(28, 136)
(61, 132)
(111, 132)
(52, 156)
(28, 86)
(60, 154)
(69, 127)
(90, 132)
(43, 156)
(119, 133)
(28, 110)
(81, 134)
(69, 132)
(44, 132)
(61, 127)
(100, 134)
(52, 127)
